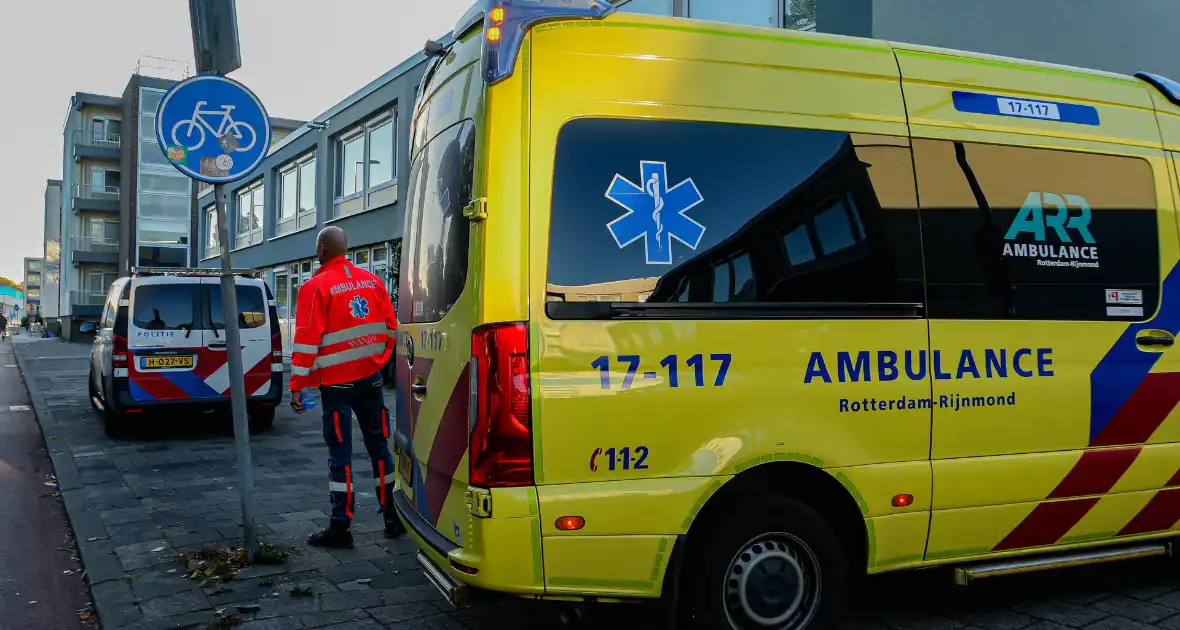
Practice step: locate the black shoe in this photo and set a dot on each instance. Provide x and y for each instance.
(393, 526)
(336, 536)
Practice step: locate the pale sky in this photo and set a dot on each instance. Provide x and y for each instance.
(300, 57)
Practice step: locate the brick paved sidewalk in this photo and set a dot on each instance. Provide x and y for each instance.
(136, 502)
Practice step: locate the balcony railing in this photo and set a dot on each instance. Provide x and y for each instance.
(88, 298)
(98, 192)
(95, 245)
(98, 139)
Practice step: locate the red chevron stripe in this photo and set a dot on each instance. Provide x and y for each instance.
(1047, 523)
(1174, 481)
(1160, 514)
(1143, 412)
(450, 444)
(1096, 472)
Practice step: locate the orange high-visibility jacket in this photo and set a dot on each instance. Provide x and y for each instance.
(352, 329)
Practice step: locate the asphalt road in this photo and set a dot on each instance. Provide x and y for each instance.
(40, 581)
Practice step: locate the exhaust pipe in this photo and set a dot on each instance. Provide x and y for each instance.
(452, 590)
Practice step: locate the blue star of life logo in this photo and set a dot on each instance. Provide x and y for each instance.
(655, 212)
(358, 307)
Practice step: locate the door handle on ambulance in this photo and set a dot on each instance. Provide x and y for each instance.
(1155, 339)
(217, 345)
(418, 389)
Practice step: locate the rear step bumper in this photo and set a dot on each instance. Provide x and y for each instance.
(965, 575)
(451, 589)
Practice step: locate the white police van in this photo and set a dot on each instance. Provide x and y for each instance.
(160, 344)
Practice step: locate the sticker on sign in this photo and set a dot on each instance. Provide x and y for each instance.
(1124, 296)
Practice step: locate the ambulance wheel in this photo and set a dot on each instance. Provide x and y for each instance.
(770, 563)
(262, 418)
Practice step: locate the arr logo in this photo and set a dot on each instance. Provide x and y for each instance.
(1032, 217)
(1067, 217)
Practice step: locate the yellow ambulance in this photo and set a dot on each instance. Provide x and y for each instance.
(731, 315)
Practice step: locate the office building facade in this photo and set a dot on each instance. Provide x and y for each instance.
(793, 14)
(349, 168)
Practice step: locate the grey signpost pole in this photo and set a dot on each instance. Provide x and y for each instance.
(216, 49)
(237, 384)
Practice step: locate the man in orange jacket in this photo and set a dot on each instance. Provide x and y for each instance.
(349, 335)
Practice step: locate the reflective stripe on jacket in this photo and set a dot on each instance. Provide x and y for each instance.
(351, 331)
(303, 306)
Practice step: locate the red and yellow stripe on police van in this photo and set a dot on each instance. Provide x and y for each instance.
(1130, 399)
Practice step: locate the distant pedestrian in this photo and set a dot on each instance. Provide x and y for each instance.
(348, 337)
(3, 326)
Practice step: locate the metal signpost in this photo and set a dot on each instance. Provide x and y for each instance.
(216, 131)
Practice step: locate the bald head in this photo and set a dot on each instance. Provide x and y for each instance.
(331, 242)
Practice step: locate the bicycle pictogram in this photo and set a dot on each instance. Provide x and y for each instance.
(194, 136)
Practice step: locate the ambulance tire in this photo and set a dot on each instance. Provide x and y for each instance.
(767, 562)
(261, 419)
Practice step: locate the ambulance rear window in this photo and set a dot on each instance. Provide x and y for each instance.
(434, 250)
(164, 306)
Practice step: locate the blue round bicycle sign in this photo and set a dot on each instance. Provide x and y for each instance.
(213, 129)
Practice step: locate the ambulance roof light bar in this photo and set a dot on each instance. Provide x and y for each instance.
(189, 271)
(506, 22)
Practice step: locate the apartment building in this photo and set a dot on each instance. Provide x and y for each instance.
(122, 204)
(51, 257)
(32, 291)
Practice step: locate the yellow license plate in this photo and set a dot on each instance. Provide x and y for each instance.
(405, 468)
(158, 363)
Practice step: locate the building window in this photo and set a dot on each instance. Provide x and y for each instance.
(33, 293)
(249, 216)
(800, 15)
(297, 197)
(352, 164)
(163, 232)
(35, 264)
(33, 279)
(366, 158)
(163, 256)
(646, 7)
(105, 131)
(104, 184)
(381, 153)
(752, 12)
(211, 235)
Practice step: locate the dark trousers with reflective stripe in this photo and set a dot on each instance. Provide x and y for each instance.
(364, 397)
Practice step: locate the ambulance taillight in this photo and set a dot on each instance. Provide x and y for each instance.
(500, 407)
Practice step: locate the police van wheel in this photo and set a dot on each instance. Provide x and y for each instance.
(93, 392)
(262, 418)
(770, 563)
